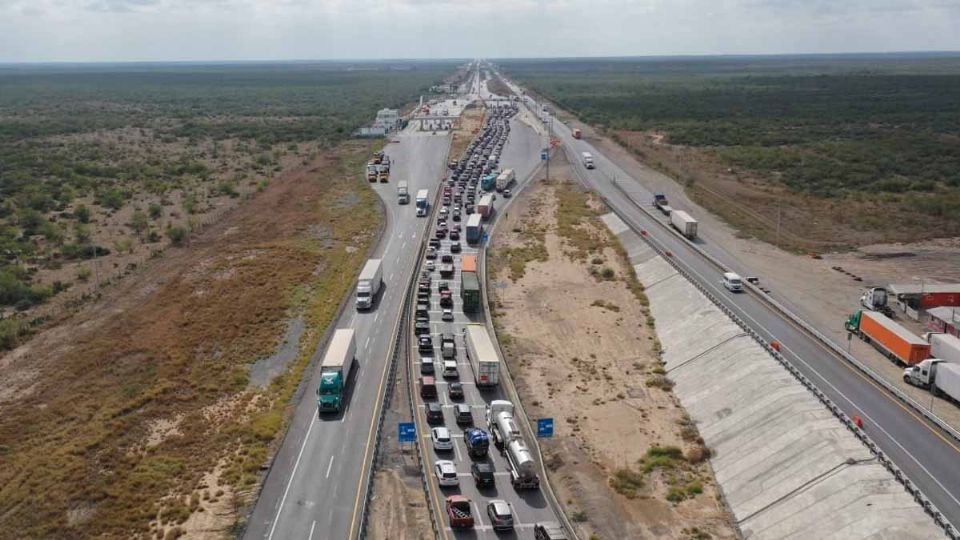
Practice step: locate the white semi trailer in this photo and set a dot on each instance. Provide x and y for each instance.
(368, 285)
(482, 355)
(684, 223)
(940, 377)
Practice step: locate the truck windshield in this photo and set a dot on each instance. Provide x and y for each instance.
(363, 295)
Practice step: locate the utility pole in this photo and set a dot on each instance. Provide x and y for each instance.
(778, 222)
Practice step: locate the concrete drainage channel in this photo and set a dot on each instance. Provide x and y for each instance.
(900, 477)
(914, 491)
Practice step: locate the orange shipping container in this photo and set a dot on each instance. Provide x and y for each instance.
(468, 263)
(890, 336)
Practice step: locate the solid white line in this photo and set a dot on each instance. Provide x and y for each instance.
(366, 343)
(329, 466)
(312, 526)
(293, 474)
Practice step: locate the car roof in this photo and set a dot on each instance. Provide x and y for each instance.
(500, 506)
(427, 380)
(434, 407)
(445, 463)
(463, 407)
(441, 431)
(483, 466)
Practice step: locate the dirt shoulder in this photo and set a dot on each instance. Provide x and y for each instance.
(625, 461)
(136, 416)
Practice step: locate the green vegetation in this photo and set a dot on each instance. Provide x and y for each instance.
(80, 144)
(627, 482)
(877, 127)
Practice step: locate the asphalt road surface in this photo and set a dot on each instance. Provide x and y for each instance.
(920, 449)
(521, 153)
(317, 481)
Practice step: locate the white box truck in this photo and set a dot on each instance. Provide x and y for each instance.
(940, 377)
(505, 179)
(944, 347)
(682, 222)
(587, 159)
(368, 285)
(482, 355)
(335, 371)
(403, 193)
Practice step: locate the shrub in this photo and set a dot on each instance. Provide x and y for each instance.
(626, 482)
(111, 198)
(83, 214)
(11, 330)
(155, 210)
(177, 234)
(83, 274)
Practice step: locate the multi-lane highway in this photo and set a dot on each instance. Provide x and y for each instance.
(317, 480)
(922, 451)
(529, 507)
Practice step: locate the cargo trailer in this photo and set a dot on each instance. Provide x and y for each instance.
(893, 340)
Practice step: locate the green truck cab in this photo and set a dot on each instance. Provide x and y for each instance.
(335, 372)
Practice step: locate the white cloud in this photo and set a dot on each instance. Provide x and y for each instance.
(116, 30)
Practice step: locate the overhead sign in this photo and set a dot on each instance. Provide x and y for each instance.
(408, 432)
(544, 427)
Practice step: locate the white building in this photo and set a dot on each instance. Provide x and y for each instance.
(388, 119)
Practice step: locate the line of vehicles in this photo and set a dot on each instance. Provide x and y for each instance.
(679, 219)
(378, 168)
(932, 361)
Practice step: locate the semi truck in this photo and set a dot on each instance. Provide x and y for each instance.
(891, 339)
(489, 182)
(576, 133)
(369, 282)
(422, 203)
(485, 206)
(944, 347)
(335, 371)
(587, 159)
(523, 469)
(939, 376)
(682, 222)
(403, 192)
(505, 179)
(469, 291)
(500, 423)
(660, 202)
(474, 229)
(482, 355)
(372, 171)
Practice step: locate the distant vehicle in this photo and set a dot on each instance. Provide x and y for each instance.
(485, 206)
(576, 133)
(463, 415)
(450, 369)
(943, 346)
(660, 201)
(940, 377)
(875, 299)
(458, 512)
(446, 473)
(732, 282)
(441, 439)
(369, 282)
(499, 417)
(507, 194)
(682, 222)
(448, 346)
(469, 290)
(893, 340)
(506, 179)
(434, 414)
(427, 365)
(474, 229)
(482, 355)
(403, 195)
(428, 388)
(477, 442)
(500, 514)
(447, 315)
(587, 159)
(523, 470)
(482, 473)
(422, 202)
(489, 182)
(335, 371)
(455, 390)
(549, 530)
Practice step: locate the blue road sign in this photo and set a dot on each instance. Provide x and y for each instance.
(408, 432)
(544, 427)
(484, 237)
(543, 155)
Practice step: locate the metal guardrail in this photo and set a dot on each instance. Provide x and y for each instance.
(914, 491)
(400, 348)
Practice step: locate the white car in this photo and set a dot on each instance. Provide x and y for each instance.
(450, 369)
(431, 266)
(447, 314)
(441, 439)
(446, 473)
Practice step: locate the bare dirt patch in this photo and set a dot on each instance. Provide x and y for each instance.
(174, 341)
(470, 122)
(625, 460)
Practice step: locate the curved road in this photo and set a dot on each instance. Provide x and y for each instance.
(317, 480)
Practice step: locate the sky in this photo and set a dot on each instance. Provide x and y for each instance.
(212, 30)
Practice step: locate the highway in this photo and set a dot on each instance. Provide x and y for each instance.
(318, 478)
(521, 153)
(921, 450)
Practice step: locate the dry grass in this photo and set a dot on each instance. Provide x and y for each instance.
(74, 435)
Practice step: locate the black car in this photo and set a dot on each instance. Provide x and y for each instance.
(434, 243)
(455, 390)
(456, 215)
(421, 327)
(482, 473)
(434, 414)
(454, 235)
(463, 415)
(446, 259)
(455, 246)
(425, 344)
